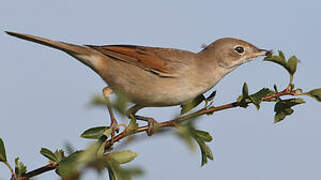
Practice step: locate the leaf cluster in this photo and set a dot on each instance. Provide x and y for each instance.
(290, 65)
(191, 135)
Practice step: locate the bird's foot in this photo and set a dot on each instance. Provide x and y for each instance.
(153, 125)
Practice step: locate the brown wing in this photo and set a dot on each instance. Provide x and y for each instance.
(140, 56)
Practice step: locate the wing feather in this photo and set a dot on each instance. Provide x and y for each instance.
(139, 56)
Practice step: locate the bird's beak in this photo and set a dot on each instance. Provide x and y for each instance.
(262, 52)
(266, 52)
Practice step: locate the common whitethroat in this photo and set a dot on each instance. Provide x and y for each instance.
(156, 77)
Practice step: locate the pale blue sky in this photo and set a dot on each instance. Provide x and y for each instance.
(45, 93)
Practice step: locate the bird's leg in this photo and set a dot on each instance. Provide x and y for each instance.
(133, 110)
(152, 123)
(113, 125)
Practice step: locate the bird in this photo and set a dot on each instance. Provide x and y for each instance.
(155, 76)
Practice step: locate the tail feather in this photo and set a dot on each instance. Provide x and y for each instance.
(68, 48)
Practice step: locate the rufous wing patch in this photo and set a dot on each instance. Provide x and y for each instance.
(139, 56)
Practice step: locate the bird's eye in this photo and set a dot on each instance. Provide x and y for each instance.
(239, 49)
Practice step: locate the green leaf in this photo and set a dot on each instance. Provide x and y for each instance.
(116, 172)
(245, 95)
(281, 54)
(239, 99)
(205, 151)
(292, 64)
(291, 85)
(3, 155)
(123, 157)
(94, 151)
(315, 93)
(60, 154)
(94, 133)
(298, 91)
(69, 165)
(184, 131)
(202, 135)
(134, 171)
(20, 168)
(245, 90)
(48, 154)
(121, 102)
(189, 105)
(256, 98)
(98, 101)
(283, 108)
(187, 132)
(108, 132)
(133, 125)
(280, 59)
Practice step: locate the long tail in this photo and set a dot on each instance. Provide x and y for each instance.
(82, 53)
(68, 48)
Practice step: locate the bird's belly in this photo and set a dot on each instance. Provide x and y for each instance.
(167, 94)
(162, 98)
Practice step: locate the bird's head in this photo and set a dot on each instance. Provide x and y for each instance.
(230, 52)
